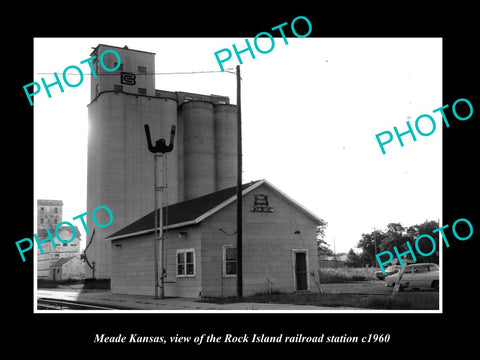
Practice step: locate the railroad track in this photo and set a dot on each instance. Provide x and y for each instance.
(55, 304)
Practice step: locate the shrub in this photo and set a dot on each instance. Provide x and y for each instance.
(340, 275)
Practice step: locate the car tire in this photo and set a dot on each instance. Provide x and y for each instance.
(435, 284)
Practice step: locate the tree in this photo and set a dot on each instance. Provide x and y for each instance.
(370, 244)
(396, 235)
(425, 245)
(323, 247)
(353, 259)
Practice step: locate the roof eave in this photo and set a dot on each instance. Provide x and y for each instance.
(228, 201)
(142, 232)
(195, 221)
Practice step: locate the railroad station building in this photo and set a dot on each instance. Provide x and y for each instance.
(279, 246)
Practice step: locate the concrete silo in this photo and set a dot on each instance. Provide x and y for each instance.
(198, 158)
(179, 145)
(120, 166)
(105, 175)
(225, 146)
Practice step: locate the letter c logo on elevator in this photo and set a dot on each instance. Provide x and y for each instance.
(127, 78)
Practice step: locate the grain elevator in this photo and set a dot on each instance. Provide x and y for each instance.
(120, 167)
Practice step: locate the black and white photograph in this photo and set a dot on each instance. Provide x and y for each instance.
(285, 185)
(319, 199)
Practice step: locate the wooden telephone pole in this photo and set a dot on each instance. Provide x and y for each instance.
(239, 188)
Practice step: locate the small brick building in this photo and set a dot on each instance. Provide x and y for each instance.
(279, 246)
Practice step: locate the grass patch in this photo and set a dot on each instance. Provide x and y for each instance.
(406, 301)
(342, 275)
(402, 301)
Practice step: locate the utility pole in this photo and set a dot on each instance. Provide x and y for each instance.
(334, 251)
(158, 237)
(239, 189)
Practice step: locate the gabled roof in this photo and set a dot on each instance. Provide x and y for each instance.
(63, 261)
(196, 210)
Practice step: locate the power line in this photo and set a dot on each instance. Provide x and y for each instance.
(140, 73)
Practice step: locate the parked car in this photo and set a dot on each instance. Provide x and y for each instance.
(416, 276)
(388, 271)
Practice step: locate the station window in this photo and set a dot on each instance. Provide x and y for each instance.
(118, 87)
(185, 262)
(142, 70)
(142, 91)
(229, 260)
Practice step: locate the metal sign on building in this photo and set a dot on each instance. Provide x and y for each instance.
(260, 204)
(127, 78)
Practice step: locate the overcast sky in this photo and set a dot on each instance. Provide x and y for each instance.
(310, 112)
